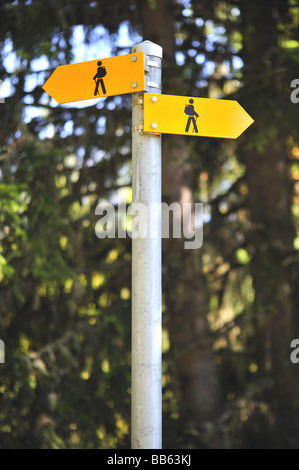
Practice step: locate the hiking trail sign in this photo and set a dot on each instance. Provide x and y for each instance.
(170, 114)
(152, 115)
(97, 78)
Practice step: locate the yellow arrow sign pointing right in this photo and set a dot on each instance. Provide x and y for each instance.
(201, 117)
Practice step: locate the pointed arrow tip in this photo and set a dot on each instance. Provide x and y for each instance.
(246, 121)
(50, 86)
(47, 88)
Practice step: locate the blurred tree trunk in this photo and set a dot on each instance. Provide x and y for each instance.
(270, 193)
(183, 282)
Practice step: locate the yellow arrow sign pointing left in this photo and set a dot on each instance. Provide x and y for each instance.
(97, 78)
(201, 117)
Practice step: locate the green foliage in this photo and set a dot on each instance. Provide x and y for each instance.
(65, 296)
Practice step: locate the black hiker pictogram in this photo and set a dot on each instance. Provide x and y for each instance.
(101, 73)
(192, 116)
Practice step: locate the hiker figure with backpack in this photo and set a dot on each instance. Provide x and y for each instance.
(101, 72)
(192, 116)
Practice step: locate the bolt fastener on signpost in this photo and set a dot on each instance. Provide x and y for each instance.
(146, 270)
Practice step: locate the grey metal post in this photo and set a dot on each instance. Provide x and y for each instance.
(146, 268)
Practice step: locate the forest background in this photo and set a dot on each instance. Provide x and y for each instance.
(230, 309)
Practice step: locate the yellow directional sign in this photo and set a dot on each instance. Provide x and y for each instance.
(97, 78)
(170, 114)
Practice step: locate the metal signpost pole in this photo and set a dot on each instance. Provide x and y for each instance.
(146, 266)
